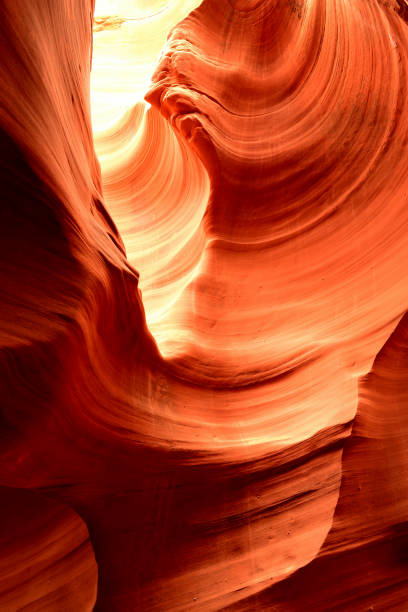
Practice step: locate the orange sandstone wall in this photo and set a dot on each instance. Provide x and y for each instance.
(202, 319)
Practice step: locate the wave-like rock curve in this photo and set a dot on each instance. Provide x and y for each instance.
(241, 445)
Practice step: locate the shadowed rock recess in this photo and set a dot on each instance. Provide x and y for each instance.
(230, 430)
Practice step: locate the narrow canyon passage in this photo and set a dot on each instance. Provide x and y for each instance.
(203, 330)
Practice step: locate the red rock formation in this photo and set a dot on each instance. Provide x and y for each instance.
(245, 448)
(46, 559)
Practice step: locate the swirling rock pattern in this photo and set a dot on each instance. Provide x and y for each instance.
(46, 559)
(242, 444)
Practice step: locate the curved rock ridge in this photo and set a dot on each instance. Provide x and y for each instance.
(367, 545)
(46, 559)
(128, 37)
(293, 174)
(242, 444)
(157, 191)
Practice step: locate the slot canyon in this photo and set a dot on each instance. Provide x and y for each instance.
(204, 327)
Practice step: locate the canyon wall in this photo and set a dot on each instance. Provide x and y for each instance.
(204, 345)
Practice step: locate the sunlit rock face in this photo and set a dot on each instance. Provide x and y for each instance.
(128, 38)
(204, 347)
